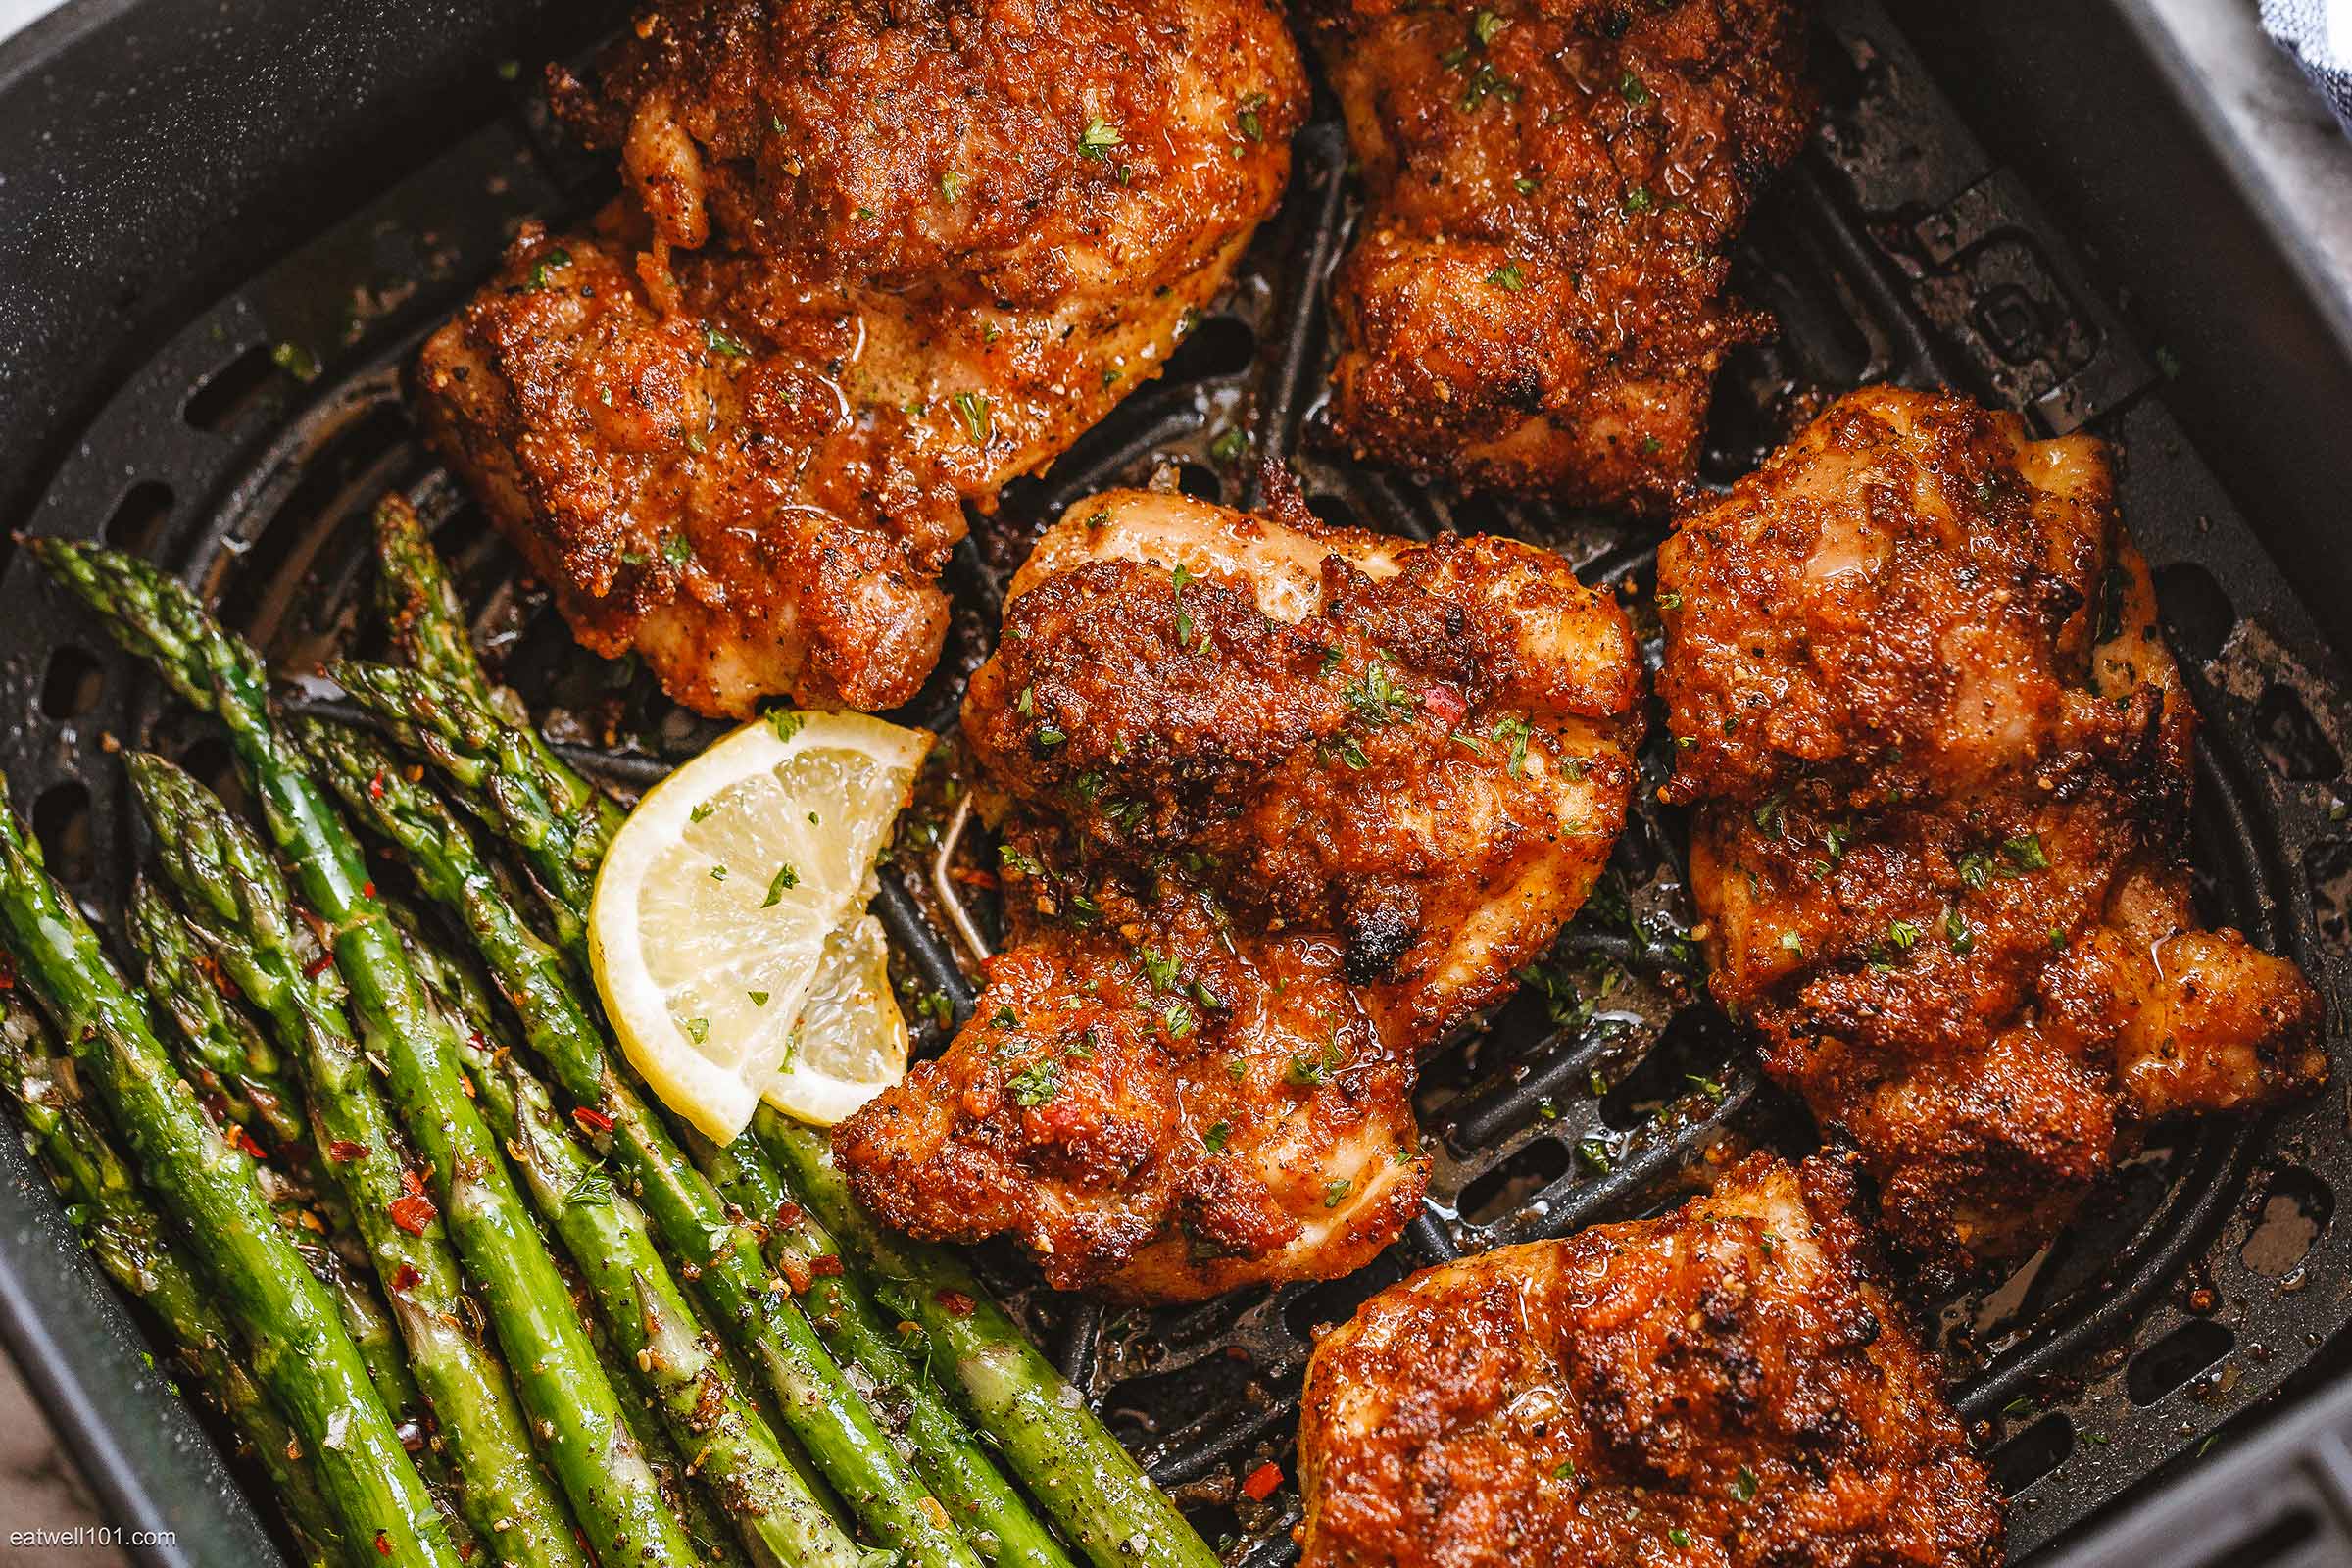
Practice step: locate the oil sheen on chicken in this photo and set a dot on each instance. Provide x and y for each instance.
(869, 264)
(1723, 1385)
(1536, 301)
(1287, 804)
(1942, 758)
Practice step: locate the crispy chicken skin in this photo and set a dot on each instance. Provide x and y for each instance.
(1723, 1385)
(1942, 759)
(1421, 749)
(868, 264)
(1537, 302)
(1286, 805)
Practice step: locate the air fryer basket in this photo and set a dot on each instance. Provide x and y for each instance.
(248, 452)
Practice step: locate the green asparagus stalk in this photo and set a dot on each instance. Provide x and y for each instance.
(242, 913)
(727, 1442)
(430, 636)
(224, 1054)
(299, 1350)
(1068, 1459)
(487, 758)
(841, 1434)
(947, 1455)
(496, 770)
(573, 1407)
(128, 1239)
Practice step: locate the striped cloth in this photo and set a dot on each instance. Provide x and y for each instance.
(2318, 35)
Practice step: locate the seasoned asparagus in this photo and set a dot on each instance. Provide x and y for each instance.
(1068, 1459)
(299, 1350)
(128, 1239)
(947, 1455)
(224, 1055)
(841, 1434)
(726, 1439)
(242, 912)
(430, 636)
(573, 1407)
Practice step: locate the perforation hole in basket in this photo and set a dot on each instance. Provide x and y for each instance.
(2291, 740)
(61, 820)
(138, 518)
(2176, 1360)
(2031, 1454)
(235, 392)
(72, 683)
(2296, 1206)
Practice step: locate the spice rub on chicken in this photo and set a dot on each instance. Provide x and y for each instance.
(1725, 1385)
(1537, 302)
(1942, 759)
(1287, 805)
(869, 264)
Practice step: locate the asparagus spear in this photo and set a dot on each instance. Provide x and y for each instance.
(1070, 1463)
(243, 915)
(429, 633)
(841, 1434)
(487, 758)
(726, 1439)
(127, 1238)
(994, 1519)
(224, 1055)
(498, 771)
(460, 986)
(573, 1407)
(300, 1351)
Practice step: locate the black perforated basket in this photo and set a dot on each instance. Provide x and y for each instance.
(246, 450)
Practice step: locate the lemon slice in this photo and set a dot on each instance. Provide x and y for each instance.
(708, 931)
(851, 1042)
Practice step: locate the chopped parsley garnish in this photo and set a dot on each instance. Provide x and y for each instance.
(1161, 969)
(2026, 852)
(1638, 200)
(698, 1030)
(1213, 1140)
(972, 409)
(1178, 1017)
(1099, 137)
(1902, 934)
(1630, 88)
(1485, 24)
(785, 879)
(950, 185)
(1247, 117)
(1508, 277)
(1231, 445)
(1035, 1084)
(1744, 1486)
(1595, 1153)
(677, 550)
(1513, 733)
(1956, 931)
(1335, 1191)
(786, 723)
(1376, 697)
(759, 998)
(718, 342)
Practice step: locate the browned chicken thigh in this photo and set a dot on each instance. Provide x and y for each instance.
(1942, 760)
(1288, 802)
(870, 264)
(1536, 299)
(1723, 1385)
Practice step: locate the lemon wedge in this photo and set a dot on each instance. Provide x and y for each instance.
(709, 927)
(851, 1042)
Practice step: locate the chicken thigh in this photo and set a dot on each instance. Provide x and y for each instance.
(1285, 805)
(1942, 759)
(870, 264)
(1723, 1385)
(1536, 302)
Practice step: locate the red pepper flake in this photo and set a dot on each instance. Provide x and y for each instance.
(594, 1122)
(466, 1550)
(317, 966)
(344, 1149)
(376, 788)
(974, 876)
(414, 1183)
(788, 1215)
(405, 1277)
(411, 1214)
(826, 1267)
(1263, 1481)
(243, 1143)
(8, 972)
(957, 1303)
(383, 1546)
(368, 890)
